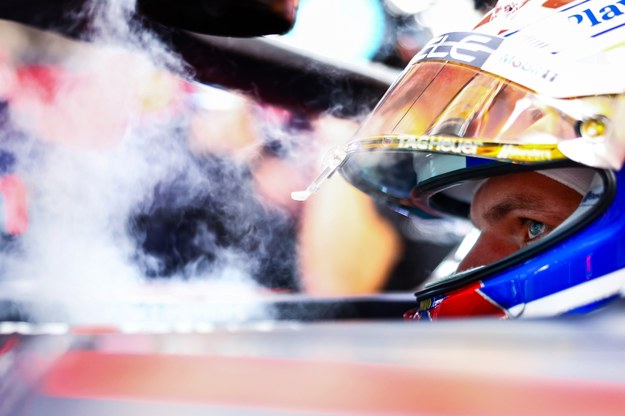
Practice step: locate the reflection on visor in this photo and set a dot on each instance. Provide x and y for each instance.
(445, 108)
(441, 99)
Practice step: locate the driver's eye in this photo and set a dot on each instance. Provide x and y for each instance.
(535, 229)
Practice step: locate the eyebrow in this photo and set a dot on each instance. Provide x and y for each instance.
(512, 203)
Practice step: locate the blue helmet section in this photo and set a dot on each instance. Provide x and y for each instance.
(592, 253)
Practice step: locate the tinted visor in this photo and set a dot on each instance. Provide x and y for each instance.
(443, 118)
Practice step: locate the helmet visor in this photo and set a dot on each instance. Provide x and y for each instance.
(441, 118)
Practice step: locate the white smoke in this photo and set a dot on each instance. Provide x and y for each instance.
(91, 160)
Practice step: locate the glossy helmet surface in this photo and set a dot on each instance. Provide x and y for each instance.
(537, 85)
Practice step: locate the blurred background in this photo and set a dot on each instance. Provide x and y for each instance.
(148, 151)
(133, 151)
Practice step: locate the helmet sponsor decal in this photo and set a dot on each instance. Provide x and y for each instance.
(529, 67)
(437, 144)
(527, 154)
(603, 17)
(462, 47)
(507, 11)
(511, 152)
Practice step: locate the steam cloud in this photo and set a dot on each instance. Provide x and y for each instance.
(116, 197)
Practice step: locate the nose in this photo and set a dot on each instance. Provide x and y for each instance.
(488, 248)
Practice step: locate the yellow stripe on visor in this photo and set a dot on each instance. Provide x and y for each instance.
(505, 152)
(403, 171)
(444, 108)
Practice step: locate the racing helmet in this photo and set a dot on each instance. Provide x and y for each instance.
(532, 97)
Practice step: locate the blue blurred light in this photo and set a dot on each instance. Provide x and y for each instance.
(350, 30)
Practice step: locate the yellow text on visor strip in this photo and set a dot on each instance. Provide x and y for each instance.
(507, 152)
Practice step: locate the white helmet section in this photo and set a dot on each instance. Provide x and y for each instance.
(558, 48)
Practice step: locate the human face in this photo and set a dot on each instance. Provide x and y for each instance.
(513, 211)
